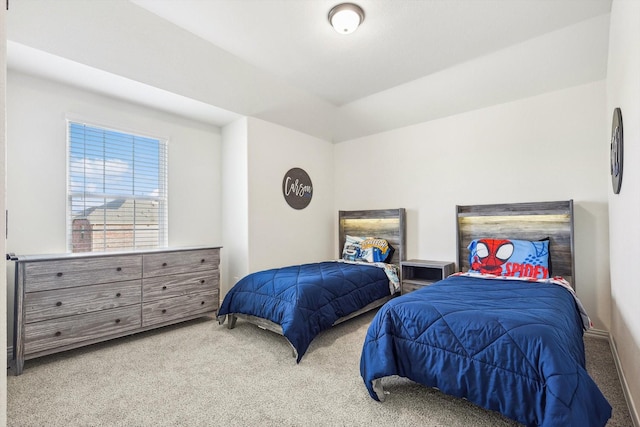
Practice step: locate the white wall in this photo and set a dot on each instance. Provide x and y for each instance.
(235, 204)
(260, 229)
(3, 282)
(36, 165)
(278, 234)
(545, 148)
(623, 90)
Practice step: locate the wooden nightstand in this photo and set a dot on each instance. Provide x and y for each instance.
(417, 273)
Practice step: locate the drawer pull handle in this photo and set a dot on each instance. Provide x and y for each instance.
(119, 269)
(117, 320)
(164, 288)
(118, 295)
(58, 333)
(164, 311)
(59, 274)
(202, 303)
(202, 260)
(58, 304)
(164, 264)
(202, 281)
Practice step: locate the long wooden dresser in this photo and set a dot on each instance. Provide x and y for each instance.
(72, 300)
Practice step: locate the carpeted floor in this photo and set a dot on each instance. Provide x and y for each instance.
(203, 374)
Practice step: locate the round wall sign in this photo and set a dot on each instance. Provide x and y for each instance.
(616, 150)
(297, 188)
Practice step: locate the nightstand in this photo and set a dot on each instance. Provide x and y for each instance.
(417, 273)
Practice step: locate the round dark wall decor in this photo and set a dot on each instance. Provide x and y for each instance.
(617, 150)
(297, 188)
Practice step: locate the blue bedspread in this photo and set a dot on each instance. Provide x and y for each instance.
(306, 299)
(509, 346)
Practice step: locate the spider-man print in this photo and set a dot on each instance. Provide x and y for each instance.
(510, 258)
(491, 254)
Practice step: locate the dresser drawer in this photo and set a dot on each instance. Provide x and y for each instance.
(57, 303)
(178, 284)
(45, 275)
(171, 309)
(164, 263)
(41, 336)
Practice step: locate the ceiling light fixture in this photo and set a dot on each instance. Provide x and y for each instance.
(346, 17)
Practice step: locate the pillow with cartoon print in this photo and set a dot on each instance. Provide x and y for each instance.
(510, 258)
(376, 250)
(352, 248)
(366, 249)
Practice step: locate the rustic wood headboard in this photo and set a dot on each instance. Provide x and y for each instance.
(389, 224)
(523, 221)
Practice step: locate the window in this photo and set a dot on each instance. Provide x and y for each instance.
(117, 190)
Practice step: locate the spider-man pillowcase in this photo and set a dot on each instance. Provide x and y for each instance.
(511, 258)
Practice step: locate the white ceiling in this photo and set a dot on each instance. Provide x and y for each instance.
(399, 40)
(279, 60)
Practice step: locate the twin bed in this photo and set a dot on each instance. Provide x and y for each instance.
(510, 344)
(301, 301)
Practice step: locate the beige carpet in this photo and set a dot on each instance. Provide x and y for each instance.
(203, 374)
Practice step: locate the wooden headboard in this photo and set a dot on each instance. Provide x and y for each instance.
(523, 221)
(389, 224)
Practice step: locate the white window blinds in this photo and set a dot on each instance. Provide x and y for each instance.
(117, 190)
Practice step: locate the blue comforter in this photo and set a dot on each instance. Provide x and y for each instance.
(306, 299)
(510, 346)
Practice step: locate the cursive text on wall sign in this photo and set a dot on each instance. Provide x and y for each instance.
(297, 188)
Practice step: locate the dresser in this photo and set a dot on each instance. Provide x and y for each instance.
(72, 300)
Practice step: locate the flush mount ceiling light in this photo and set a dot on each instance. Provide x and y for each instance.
(346, 17)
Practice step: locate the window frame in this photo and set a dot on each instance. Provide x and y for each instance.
(162, 198)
